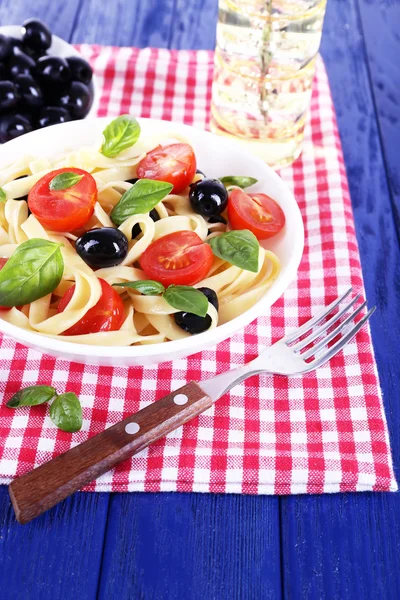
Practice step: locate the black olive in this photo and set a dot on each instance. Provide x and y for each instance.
(217, 219)
(193, 323)
(132, 181)
(77, 100)
(208, 197)
(200, 172)
(80, 69)
(136, 229)
(52, 115)
(36, 35)
(20, 63)
(29, 90)
(53, 69)
(100, 248)
(8, 95)
(5, 47)
(3, 72)
(14, 125)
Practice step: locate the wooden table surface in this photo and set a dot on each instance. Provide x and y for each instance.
(202, 546)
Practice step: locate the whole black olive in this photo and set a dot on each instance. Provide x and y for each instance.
(136, 229)
(29, 90)
(14, 125)
(77, 100)
(193, 323)
(217, 219)
(20, 63)
(52, 115)
(132, 181)
(8, 95)
(5, 47)
(208, 197)
(3, 72)
(200, 172)
(53, 69)
(100, 248)
(80, 69)
(36, 35)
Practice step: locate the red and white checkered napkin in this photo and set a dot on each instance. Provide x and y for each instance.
(323, 432)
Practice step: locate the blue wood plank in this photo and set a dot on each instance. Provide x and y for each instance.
(57, 556)
(59, 16)
(191, 546)
(347, 546)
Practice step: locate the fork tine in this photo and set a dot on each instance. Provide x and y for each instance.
(315, 320)
(312, 351)
(321, 360)
(325, 326)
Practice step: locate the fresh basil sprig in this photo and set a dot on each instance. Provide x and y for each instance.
(238, 247)
(187, 298)
(148, 287)
(141, 198)
(242, 182)
(181, 297)
(63, 181)
(32, 396)
(122, 133)
(34, 270)
(66, 412)
(3, 196)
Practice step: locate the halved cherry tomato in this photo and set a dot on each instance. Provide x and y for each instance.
(106, 315)
(63, 210)
(256, 212)
(2, 263)
(181, 258)
(175, 163)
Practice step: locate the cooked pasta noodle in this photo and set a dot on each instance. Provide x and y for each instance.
(148, 319)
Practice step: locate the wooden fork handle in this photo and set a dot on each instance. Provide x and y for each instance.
(37, 491)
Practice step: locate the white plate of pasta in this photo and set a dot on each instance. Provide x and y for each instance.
(128, 242)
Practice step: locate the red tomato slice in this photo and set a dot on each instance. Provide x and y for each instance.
(2, 263)
(181, 258)
(175, 163)
(63, 210)
(106, 315)
(256, 212)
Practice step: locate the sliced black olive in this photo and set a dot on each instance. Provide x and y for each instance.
(136, 229)
(8, 95)
(29, 90)
(36, 35)
(14, 125)
(208, 197)
(52, 115)
(193, 323)
(217, 219)
(53, 70)
(100, 248)
(77, 99)
(80, 69)
(20, 63)
(5, 47)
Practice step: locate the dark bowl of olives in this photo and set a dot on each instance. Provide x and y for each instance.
(43, 80)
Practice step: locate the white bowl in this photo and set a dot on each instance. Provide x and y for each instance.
(217, 157)
(61, 48)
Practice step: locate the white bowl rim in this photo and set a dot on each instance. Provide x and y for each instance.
(185, 346)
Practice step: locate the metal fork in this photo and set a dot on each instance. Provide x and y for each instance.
(42, 488)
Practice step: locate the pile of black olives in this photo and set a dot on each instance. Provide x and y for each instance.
(37, 89)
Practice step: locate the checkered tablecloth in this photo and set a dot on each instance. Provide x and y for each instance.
(323, 432)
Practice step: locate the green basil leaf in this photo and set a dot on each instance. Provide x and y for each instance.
(242, 182)
(122, 133)
(140, 199)
(32, 396)
(63, 181)
(148, 287)
(3, 196)
(238, 247)
(34, 270)
(66, 412)
(187, 298)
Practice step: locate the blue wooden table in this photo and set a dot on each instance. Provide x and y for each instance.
(193, 546)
